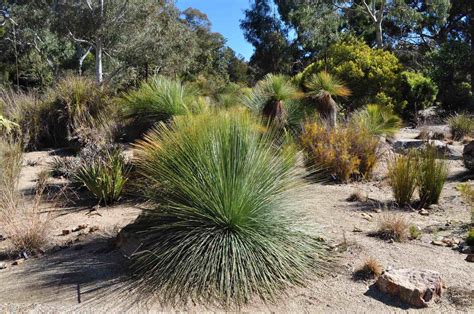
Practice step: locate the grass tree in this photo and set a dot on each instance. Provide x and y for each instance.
(270, 95)
(323, 87)
(223, 230)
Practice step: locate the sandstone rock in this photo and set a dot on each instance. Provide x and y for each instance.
(416, 287)
(468, 156)
(404, 145)
(438, 243)
(470, 258)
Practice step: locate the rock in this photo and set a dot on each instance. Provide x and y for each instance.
(3, 265)
(438, 243)
(94, 229)
(18, 261)
(468, 156)
(424, 212)
(470, 258)
(2, 238)
(356, 229)
(404, 145)
(418, 288)
(449, 242)
(79, 228)
(66, 232)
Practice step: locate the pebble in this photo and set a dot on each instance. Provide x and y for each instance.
(356, 229)
(470, 258)
(66, 232)
(18, 261)
(424, 212)
(438, 243)
(3, 265)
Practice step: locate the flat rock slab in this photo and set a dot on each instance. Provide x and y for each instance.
(416, 287)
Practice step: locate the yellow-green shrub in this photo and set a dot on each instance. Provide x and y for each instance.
(345, 152)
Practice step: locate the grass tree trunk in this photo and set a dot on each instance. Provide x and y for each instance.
(328, 110)
(275, 111)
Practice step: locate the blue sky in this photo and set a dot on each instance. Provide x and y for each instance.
(225, 16)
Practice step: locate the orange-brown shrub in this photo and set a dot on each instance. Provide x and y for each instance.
(346, 152)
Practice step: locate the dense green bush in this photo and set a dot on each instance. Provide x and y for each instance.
(450, 69)
(224, 230)
(378, 120)
(369, 73)
(417, 91)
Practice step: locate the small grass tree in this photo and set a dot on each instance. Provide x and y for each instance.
(222, 229)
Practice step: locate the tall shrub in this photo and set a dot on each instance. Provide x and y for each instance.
(402, 174)
(432, 173)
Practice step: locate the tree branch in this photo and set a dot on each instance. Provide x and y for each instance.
(79, 40)
(369, 10)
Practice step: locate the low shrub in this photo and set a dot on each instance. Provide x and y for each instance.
(415, 232)
(222, 189)
(378, 120)
(393, 227)
(461, 125)
(470, 237)
(104, 176)
(432, 173)
(345, 152)
(402, 175)
(369, 270)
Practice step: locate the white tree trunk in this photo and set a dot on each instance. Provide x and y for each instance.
(378, 34)
(99, 75)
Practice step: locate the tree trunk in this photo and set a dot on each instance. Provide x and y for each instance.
(378, 34)
(98, 62)
(275, 111)
(327, 109)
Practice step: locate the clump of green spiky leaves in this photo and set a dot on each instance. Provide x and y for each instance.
(272, 98)
(161, 98)
(432, 173)
(104, 176)
(402, 174)
(461, 125)
(378, 120)
(223, 230)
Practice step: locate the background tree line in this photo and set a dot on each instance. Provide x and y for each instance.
(429, 37)
(120, 41)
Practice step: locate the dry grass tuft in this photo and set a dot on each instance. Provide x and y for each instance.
(371, 269)
(393, 227)
(21, 221)
(358, 196)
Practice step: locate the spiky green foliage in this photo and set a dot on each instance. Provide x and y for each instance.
(323, 82)
(432, 173)
(105, 177)
(272, 97)
(461, 125)
(470, 237)
(378, 120)
(402, 174)
(224, 230)
(161, 98)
